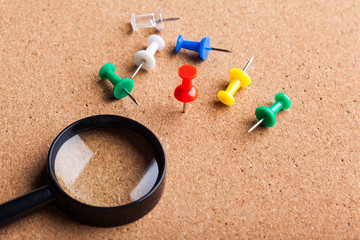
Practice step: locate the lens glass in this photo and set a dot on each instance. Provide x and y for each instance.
(106, 167)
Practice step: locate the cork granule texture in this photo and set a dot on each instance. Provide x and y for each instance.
(105, 167)
(297, 180)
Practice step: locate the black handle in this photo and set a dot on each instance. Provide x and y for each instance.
(25, 204)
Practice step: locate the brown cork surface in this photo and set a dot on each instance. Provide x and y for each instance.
(297, 180)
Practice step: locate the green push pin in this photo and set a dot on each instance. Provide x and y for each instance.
(122, 86)
(267, 115)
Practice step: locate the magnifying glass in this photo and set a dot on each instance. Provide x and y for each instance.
(103, 170)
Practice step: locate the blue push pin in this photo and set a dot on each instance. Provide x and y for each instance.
(202, 47)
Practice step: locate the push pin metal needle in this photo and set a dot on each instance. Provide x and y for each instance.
(238, 78)
(186, 92)
(145, 59)
(169, 19)
(267, 115)
(122, 86)
(139, 67)
(150, 20)
(202, 47)
(248, 64)
(219, 49)
(132, 98)
(255, 126)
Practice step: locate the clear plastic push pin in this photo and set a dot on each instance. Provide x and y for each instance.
(150, 20)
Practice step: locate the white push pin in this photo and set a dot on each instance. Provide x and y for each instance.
(145, 58)
(150, 20)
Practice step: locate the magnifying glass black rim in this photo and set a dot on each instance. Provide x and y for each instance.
(99, 215)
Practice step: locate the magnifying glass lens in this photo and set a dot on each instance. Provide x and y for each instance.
(106, 167)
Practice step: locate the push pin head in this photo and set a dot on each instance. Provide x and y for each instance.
(238, 78)
(145, 58)
(267, 115)
(122, 86)
(186, 92)
(149, 20)
(202, 47)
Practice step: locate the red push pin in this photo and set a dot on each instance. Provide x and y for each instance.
(186, 92)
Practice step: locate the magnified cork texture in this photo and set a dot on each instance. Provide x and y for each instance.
(103, 167)
(297, 180)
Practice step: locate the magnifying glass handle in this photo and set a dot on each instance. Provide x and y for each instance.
(25, 204)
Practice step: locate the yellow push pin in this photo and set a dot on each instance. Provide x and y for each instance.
(238, 79)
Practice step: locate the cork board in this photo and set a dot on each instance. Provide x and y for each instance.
(299, 179)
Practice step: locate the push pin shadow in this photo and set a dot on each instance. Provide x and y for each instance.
(202, 47)
(122, 86)
(150, 20)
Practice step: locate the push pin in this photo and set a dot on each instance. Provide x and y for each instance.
(238, 79)
(122, 86)
(186, 92)
(145, 58)
(202, 47)
(150, 20)
(267, 115)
